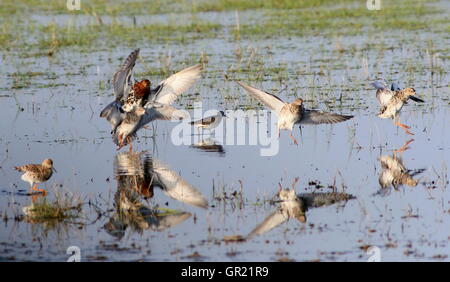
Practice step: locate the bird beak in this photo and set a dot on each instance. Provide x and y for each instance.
(54, 169)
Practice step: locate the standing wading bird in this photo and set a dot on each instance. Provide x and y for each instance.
(209, 122)
(392, 101)
(292, 113)
(37, 173)
(156, 102)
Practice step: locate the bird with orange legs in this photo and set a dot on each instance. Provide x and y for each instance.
(392, 101)
(137, 104)
(293, 113)
(36, 173)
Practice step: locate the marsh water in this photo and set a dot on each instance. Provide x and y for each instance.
(52, 111)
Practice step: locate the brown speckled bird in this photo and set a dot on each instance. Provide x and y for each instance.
(292, 113)
(37, 173)
(392, 101)
(156, 102)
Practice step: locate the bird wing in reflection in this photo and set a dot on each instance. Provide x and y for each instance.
(317, 117)
(168, 221)
(315, 200)
(269, 100)
(177, 188)
(169, 89)
(269, 223)
(122, 78)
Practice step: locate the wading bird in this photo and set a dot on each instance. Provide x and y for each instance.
(37, 173)
(292, 113)
(209, 122)
(156, 102)
(392, 101)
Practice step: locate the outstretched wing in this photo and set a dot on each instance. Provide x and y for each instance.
(169, 89)
(270, 100)
(269, 223)
(380, 84)
(395, 87)
(177, 188)
(317, 117)
(315, 200)
(156, 111)
(122, 78)
(170, 220)
(384, 94)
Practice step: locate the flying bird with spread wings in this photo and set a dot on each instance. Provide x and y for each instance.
(293, 113)
(392, 101)
(137, 104)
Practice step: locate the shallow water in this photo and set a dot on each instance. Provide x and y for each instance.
(56, 115)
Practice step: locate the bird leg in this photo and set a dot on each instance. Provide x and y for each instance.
(295, 183)
(30, 192)
(404, 127)
(39, 190)
(120, 142)
(131, 144)
(293, 139)
(403, 148)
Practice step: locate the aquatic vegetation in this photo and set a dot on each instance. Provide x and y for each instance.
(62, 208)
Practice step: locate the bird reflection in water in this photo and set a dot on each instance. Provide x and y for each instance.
(137, 175)
(394, 173)
(295, 206)
(209, 145)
